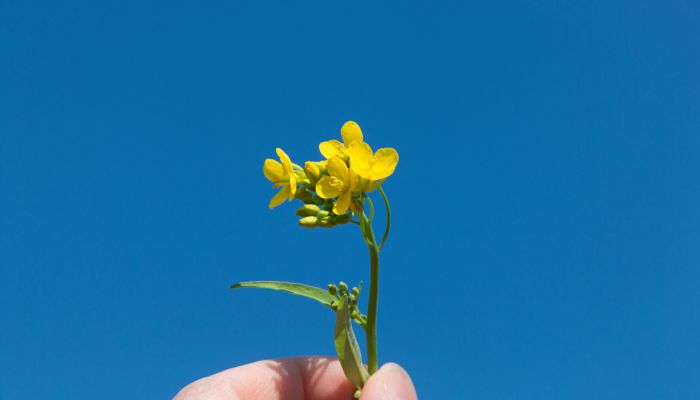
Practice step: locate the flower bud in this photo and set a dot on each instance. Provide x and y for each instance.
(343, 287)
(308, 210)
(356, 292)
(332, 289)
(309, 222)
(313, 172)
(323, 213)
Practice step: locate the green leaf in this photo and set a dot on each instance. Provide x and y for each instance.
(312, 292)
(346, 346)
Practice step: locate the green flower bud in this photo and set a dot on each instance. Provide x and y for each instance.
(343, 287)
(323, 213)
(312, 208)
(356, 292)
(308, 210)
(332, 289)
(309, 222)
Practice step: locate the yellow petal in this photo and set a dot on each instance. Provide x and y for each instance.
(286, 161)
(331, 148)
(280, 197)
(326, 190)
(384, 163)
(342, 204)
(292, 186)
(337, 168)
(360, 156)
(351, 182)
(273, 170)
(351, 132)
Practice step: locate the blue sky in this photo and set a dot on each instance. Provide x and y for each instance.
(546, 223)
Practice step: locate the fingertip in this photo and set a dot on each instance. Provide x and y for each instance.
(390, 382)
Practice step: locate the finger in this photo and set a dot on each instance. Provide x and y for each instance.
(390, 382)
(302, 378)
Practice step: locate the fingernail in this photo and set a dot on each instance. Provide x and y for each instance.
(390, 382)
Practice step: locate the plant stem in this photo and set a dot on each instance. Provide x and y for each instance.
(368, 235)
(388, 217)
(371, 325)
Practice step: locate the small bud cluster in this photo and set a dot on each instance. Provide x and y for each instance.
(342, 291)
(318, 212)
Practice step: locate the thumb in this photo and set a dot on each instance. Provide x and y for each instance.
(390, 382)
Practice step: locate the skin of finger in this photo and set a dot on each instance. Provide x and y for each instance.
(390, 382)
(303, 378)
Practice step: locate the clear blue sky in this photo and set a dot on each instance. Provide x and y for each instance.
(546, 241)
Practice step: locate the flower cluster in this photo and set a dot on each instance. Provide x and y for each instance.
(332, 190)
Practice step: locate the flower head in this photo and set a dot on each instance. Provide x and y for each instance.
(281, 174)
(334, 185)
(339, 183)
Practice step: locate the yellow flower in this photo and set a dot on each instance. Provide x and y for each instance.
(281, 175)
(372, 167)
(350, 133)
(339, 183)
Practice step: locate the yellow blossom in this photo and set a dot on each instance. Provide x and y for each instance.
(350, 132)
(339, 183)
(281, 175)
(372, 166)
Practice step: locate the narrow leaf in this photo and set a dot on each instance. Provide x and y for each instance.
(346, 346)
(312, 292)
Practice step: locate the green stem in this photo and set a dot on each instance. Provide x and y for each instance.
(371, 325)
(388, 217)
(371, 208)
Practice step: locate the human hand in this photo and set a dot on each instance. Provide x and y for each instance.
(298, 378)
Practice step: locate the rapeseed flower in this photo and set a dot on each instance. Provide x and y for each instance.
(372, 166)
(333, 192)
(339, 183)
(281, 174)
